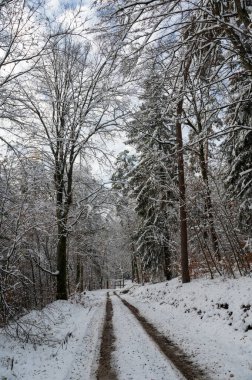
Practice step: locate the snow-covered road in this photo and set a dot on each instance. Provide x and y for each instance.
(74, 330)
(136, 356)
(211, 320)
(208, 320)
(86, 355)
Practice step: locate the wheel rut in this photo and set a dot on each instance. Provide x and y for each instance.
(105, 370)
(172, 351)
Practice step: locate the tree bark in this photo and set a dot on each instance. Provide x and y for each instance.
(182, 196)
(81, 277)
(167, 263)
(135, 274)
(62, 262)
(208, 203)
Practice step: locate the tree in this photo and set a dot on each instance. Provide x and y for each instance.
(69, 104)
(125, 210)
(26, 234)
(153, 179)
(238, 148)
(196, 69)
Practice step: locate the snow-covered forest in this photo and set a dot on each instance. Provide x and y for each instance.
(125, 152)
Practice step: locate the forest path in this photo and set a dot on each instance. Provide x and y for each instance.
(105, 370)
(132, 349)
(84, 363)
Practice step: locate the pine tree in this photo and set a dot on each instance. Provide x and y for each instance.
(152, 180)
(239, 150)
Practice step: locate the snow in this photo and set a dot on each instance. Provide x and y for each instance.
(210, 319)
(71, 331)
(136, 356)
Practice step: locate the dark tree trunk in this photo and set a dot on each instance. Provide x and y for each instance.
(167, 263)
(134, 266)
(182, 197)
(41, 287)
(62, 262)
(135, 274)
(64, 200)
(208, 203)
(78, 273)
(34, 284)
(81, 277)
(101, 282)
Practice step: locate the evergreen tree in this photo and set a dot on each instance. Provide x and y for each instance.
(124, 165)
(239, 150)
(152, 133)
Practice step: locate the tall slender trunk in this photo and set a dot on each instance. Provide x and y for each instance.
(62, 261)
(77, 280)
(135, 274)
(34, 284)
(182, 196)
(81, 277)
(79, 274)
(208, 203)
(64, 201)
(167, 263)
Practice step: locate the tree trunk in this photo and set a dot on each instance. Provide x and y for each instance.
(135, 274)
(182, 197)
(208, 203)
(78, 273)
(62, 262)
(167, 263)
(34, 284)
(81, 277)
(62, 210)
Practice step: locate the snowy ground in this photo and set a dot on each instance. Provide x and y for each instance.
(71, 353)
(210, 319)
(136, 356)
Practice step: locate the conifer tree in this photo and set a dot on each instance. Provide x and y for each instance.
(239, 149)
(152, 180)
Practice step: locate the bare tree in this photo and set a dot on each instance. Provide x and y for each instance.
(69, 103)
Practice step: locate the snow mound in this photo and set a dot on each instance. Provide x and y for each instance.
(51, 339)
(229, 300)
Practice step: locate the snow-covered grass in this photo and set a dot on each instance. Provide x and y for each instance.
(70, 330)
(211, 319)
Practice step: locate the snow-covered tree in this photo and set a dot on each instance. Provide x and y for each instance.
(238, 148)
(68, 105)
(152, 180)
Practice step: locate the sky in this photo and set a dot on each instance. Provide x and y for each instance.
(56, 6)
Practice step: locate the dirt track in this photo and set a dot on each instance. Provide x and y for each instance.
(174, 354)
(105, 370)
(172, 351)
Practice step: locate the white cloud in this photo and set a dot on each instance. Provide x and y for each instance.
(52, 6)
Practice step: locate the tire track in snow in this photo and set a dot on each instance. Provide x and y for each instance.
(136, 356)
(105, 370)
(173, 352)
(85, 360)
